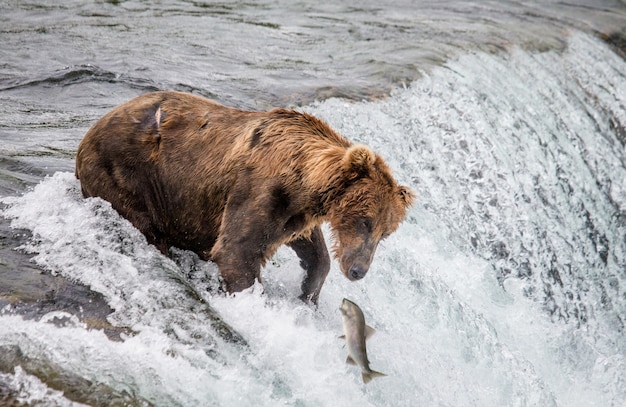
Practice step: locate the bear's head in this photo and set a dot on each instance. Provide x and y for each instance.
(372, 207)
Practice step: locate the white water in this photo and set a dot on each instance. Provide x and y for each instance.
(520, 178)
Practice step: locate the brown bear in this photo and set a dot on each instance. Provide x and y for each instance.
(234, 185)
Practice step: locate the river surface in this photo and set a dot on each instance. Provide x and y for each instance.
(505, 286)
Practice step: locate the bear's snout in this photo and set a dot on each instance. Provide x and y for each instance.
(355, 261)
(357, 271)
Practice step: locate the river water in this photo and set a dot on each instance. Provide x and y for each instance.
(506, 285)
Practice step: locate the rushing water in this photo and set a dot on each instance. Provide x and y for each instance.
(504, 287)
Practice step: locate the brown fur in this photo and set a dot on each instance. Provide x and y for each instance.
(234, 185)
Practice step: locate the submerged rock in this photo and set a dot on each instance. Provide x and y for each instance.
(617, 40)
(73, 387)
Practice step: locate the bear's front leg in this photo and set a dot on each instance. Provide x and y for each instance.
(237, 257)
(315, 260)
(247, 235)
(236, 272)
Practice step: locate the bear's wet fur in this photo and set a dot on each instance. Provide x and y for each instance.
(234, 185)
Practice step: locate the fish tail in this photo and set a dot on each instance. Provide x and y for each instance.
(367, 377)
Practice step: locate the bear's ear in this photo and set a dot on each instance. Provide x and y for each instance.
(406, 195)
(358, 160)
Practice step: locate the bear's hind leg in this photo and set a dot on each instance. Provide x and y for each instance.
(315, 260)
(141, 220)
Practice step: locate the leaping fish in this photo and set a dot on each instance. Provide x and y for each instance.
(356, 332)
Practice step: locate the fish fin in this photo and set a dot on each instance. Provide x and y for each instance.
(350, 361)
(367, 377)
(369, 331)
(342, 337)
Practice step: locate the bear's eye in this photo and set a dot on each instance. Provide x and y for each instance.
(364, 225)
